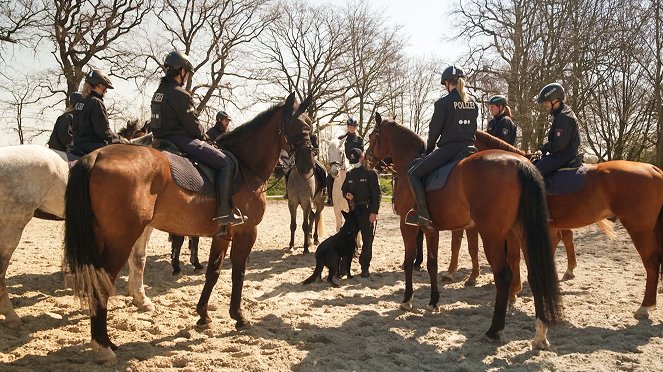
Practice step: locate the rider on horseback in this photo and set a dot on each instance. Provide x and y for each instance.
(563, 144)
(222, 122)
(352, 141)
(175, 119)
(90, 125)
(452, 126)
(501, 125)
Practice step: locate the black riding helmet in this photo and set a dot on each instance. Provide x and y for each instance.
(177, 60)
(551, 92)
(222, 115)
(96, 77)
(74, 98)
(498, 100)
(351, 122)
(451, 74)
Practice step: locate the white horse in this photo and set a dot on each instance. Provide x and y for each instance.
(33, 180)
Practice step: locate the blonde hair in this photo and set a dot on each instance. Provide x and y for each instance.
(507, 111)
(460, 86)
(87, 88)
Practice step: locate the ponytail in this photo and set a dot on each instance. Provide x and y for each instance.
(461, 89)
(87, 88)
(507, 111)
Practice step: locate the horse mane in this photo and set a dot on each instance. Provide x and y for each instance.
(492, 142)
(230, 139)
(405, 133)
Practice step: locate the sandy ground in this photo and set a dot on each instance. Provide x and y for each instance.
(356, 327)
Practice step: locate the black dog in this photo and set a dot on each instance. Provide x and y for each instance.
(340, 245)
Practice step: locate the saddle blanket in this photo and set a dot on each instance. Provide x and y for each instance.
(437, 179)
(193, 176)
(566, 180)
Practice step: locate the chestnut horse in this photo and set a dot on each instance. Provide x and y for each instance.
(467, 201)
(119, 193)
(631, 191)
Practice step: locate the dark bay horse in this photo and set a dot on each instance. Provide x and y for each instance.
(117, 193)
(631, 191)
(467, 201)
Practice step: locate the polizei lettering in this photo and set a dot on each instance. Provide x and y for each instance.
(464, 105)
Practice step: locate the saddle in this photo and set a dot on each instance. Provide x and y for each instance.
(566, 180)
(437, 179)
(188, 174)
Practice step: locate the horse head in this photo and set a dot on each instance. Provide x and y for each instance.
(392, 140)
(336, 157)
(297, 131)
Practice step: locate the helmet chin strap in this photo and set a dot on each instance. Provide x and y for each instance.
(182, 76)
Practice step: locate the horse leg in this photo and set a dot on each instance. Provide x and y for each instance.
(645, 243)
(193, 246)
(306, 227)
(420, 250)
(473, 248)
(432, 244)
(456, 240)
(316, 221)
(513, 258)
(567, 238)
(175, 249)
(10, 236)
(293, 224)
(217, 253)
(497, 258)
(137, 270)
(242, 245)
(409, 234)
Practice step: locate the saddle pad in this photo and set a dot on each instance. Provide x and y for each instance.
(566, 180)
(190, 176)
(437, 179)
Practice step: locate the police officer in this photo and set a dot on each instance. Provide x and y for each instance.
(222, 122)
(352, 141)
(562, 148)
(175, 119)
(90, 126)
(450, 134)
(501, 125)
(61, 138)
(362, 190)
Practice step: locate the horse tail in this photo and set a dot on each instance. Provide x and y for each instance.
(608, 228)
(83, 262)
(533, 216)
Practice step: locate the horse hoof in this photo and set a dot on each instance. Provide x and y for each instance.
(471, 283)
(406, 306)
(643, 312)
(13, 323)
(512, 300)
(146, 306)
(105, 355)
(492, 338)
(432, 308)
(568, 275)
(242, 324)
(177, 272)
(197, 267)
(542, 344)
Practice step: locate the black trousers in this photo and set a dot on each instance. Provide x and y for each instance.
(367, 229)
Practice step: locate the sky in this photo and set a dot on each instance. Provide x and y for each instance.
(424, 24)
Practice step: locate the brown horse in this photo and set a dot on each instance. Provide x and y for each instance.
(631, 191)
(467, 201)
(118, 192)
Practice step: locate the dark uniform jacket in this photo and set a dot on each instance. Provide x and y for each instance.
(453, 121)
(563, 137)
(364, 187)
(352, 141)
(214, 132)
(90, 124)
(502, 127)
(61, 136)
(173, 112)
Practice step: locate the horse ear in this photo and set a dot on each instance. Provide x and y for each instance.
(288, 107)
(378, 119)
(303, 106)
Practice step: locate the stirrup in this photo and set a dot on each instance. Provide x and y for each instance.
(414, 219)
(233, 218)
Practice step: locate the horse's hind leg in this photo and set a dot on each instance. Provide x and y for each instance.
(432, 244)
(175, 250)
(194, 242)
(497, 258)
(513, 257)
(137, 270)
(473, 248)
(456, 240)
(293, 224)
(10, 236)
(645, 243)
(216, 255)
(409, 234)
(567, 238)
(306, 226)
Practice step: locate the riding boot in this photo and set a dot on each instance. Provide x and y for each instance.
(421, 216)
(225, 215)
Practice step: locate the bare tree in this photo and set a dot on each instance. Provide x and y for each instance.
(87, 31)
(17, 19)
(422, 91)
(20, 93)
(302, 52)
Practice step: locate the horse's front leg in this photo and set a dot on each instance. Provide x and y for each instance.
(293, 224)
(306, 227)
(409, 234)
(10, 236)
(175, 249)
(242, 245)
(217, 253)
(432, 246)
(571, 264)
(473, 248)
(137, 270)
